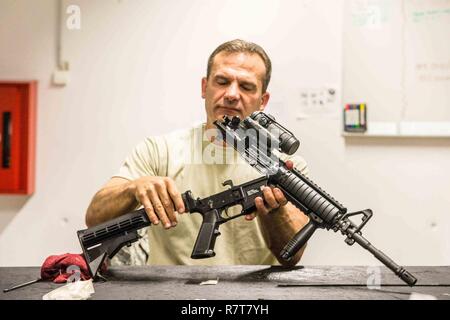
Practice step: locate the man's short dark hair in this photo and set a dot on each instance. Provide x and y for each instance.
(238, 45)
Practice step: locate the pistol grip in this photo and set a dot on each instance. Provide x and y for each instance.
(206, 239)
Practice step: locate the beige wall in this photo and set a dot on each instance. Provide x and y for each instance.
(135, 69)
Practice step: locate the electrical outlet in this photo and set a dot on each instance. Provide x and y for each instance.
(60, 77)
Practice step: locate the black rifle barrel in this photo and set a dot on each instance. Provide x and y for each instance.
(388, 262)
(314, 201)
(324, 211)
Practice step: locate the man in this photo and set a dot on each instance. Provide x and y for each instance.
(159, 168)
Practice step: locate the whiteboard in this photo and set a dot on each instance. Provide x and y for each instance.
(396, 59)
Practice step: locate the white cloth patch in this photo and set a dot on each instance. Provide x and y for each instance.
(78, 290)
(209, 282)
(421, 296)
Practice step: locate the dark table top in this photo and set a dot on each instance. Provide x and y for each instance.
(244, 283)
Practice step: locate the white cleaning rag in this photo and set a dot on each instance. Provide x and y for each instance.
(78, 290)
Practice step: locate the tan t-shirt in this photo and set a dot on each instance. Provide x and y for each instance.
(195, 164)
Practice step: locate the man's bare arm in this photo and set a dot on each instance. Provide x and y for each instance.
(158, 195)
(114, 199)
(279, 226)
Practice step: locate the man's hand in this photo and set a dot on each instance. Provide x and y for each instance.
(278, 228)
(274, 199)
(160, 198)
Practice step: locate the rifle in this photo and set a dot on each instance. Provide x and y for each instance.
(106, 239)
(258, 138)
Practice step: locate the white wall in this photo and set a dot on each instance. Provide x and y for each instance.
(135, 71)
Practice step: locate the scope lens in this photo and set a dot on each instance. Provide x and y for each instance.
(288, 143)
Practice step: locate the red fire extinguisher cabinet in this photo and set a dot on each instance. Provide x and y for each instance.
(17, 137)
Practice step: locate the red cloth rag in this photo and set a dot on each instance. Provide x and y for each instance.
(55, 268)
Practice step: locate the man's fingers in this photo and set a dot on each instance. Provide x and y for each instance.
(250, 217)
(143, 199)
(175, 195)
(279, 196)
(160, 198)
(260, 207)
(158, 207)
(289, 164)
(270, 198)
(166, 202)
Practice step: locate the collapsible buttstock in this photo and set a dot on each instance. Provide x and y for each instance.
(106, 239)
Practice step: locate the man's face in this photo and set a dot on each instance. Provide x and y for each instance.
(234, 86)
